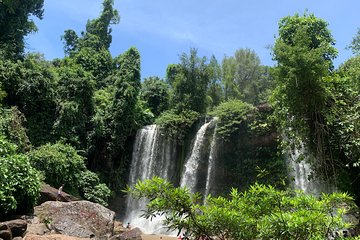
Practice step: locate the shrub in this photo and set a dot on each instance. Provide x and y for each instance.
(60, 164)
(261, 212)
(91, 188)
(19, 181)
(176, 125)
(232, 114)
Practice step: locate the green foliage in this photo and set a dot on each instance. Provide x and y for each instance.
(19, 182)
(189, 81)
(60, 164)
(11, 126)
(244, 78)
(355, 43)
(91, 188)
(100, 27)
(304, 52)
(215, 91)
(31, 85)
(75, 104)
(177, 125)
(15, 24)
(155, 94)
(232, 116)
(127, 88)
(97, 62)
(261, 212)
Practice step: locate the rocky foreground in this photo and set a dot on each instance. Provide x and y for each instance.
(68, 219)
(55, 220)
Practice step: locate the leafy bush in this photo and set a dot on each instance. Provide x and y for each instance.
(261, 212)
(91, 188)
(60, 164)
(11, 126)
(176, 125)
(232, 114)
(19, 182)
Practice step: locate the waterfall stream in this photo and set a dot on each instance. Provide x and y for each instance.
(155, 155)
(190, 173)
(152, 156)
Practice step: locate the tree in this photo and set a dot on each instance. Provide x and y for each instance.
(100, 27)
(31, 85)
(304, 52)
(215, 91)
(155, 94)
(244, 77)
(91, 49)
(189, 81)
(75, 106)
(59, 163)
(15, 24)
(355, 43)
(232, 116)
(261, 212)
(127, 88)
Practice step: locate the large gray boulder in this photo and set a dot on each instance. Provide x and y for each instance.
(81, 219)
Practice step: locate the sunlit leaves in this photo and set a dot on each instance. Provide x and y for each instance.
(261, 212)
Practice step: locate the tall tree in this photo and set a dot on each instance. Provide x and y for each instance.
(355, 43)
(189, 80)
(15, 24)
(91, 49)
(215, 91)
(243, 76)
(75, 105)
(155, 94)
(100, 27)
(304, 51)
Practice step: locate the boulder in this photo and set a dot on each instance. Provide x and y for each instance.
(119, 228)
(133, 234)
(81, 219)
(38, 229)
(17, 227)
(51, 237)
(5, 232)
(48, 193)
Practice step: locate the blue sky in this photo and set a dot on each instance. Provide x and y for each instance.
(163, 29)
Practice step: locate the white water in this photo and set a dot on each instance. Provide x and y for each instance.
(155, 155)
(303, 176)
(191, 168)
(211, 164)
(152, 155)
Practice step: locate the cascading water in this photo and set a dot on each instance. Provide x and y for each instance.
(191, 168)
(301, 173)
(303, 176)
(152, 156)
(199, 166)
(212, 161)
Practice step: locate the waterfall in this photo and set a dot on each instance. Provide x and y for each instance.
(198, 170)
(212, 161)
(301, 173)
(191, 168)
(152, 156)
(303, 176)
